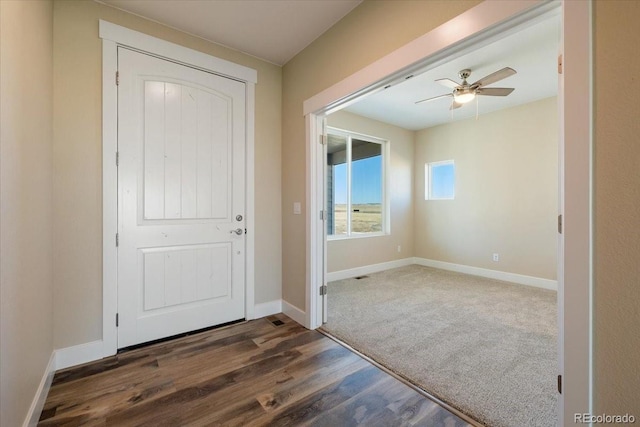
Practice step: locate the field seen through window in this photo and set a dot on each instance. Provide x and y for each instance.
(365, 218)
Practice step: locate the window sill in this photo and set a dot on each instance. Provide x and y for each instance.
(356, 236)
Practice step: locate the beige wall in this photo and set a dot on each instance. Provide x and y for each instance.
(344, 254)
(506, 191)
(26, 308)
(617, 207)
(370, 31)
(77, 163)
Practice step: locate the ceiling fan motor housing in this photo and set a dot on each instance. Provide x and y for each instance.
(464, 74)
(463, 90)
(464, 93)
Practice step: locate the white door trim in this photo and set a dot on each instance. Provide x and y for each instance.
(575, 279)
(315, 229)
(113, 36)
(483, 22)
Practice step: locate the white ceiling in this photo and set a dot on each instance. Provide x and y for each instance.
(532, 52)
(273, 30)
(276, 30)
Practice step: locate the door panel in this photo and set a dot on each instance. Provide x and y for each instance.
(180, 275)
(186, 152)
(181, 138)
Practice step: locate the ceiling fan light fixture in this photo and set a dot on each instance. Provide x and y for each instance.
(463, 95)
(464, 92)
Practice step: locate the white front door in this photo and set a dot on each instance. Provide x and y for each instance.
(181, 198)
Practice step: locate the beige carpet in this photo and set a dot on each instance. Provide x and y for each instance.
(486, 347)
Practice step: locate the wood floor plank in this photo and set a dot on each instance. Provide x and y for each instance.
(259, 373)
(286, 392)
(106, 365)
(414, 408)
(364, 408)
(264, 372)
(307, 409)
(176, 402)
(229, 402)
(318, 374)
(221, 360)
(104, 392)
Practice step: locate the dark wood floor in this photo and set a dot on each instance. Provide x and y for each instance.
(251, 374)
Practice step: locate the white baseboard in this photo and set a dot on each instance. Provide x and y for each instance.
(368, 269)
(294, 313)
(91, 351)
(33, 416)
(267, 309)
(60, 359)
(79, 354)
(491, 274)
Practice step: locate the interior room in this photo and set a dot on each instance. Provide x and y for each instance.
(492, 218)
(128, 125)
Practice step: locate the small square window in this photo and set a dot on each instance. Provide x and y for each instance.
(440, 180)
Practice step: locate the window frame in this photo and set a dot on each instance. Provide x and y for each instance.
(385, 152)
(428, 179)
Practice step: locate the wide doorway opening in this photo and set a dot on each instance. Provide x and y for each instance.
(433, 177)
(469, 223)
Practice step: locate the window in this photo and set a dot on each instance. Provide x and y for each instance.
(440, 180)
(356, 203)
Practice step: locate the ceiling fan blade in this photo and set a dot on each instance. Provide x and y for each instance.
(455, 105)
(448, 83)
(495, 91)
(494, 77)
(434, 98)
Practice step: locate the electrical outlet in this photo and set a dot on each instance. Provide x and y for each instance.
(496, 257)
(399, 248)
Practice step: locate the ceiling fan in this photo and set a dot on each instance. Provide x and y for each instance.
(465, 92)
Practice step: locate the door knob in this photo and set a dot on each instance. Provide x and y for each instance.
(238, 231)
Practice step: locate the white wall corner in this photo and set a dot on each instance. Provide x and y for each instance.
(33, 416)
(78, 354)
(294, 313)
(267, 309)
(519, 279)
(368, 269)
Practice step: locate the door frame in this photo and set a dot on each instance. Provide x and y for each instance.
(113, 36)
(575, 275)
